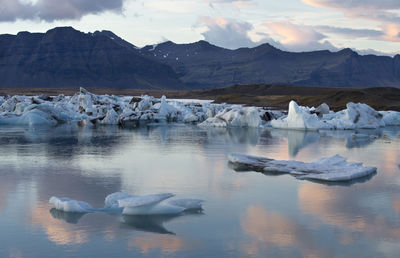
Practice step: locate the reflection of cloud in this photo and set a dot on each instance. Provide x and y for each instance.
(266, 227)
(269, 227)
(396, 205)
(166, 243)
(57, 231)
(336, 208)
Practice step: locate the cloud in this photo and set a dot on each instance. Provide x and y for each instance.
(351, 33)
(237, 3)
(392, 32)
(299, 37)
(50, 10)
(227, 32)
(384, 11)
(368, 9)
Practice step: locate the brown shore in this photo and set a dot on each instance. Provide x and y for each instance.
(272, 96)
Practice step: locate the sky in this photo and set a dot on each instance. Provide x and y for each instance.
(368, 26)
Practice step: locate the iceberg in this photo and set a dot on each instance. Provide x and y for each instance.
(153, 204)
(88, 109)
(333, 169)
(236, 116)
(355, 116)
(68, 205)
(300, 118)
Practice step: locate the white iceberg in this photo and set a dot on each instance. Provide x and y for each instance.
(156, 204)
(391, 117)
(300, 118)
(235, 116)
(335, 168)
(153, 204)
(68, 205)
(355, 116)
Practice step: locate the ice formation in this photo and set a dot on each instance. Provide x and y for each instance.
(355, 116)
(85, 108)
(335, 168)
(128, 204)
(68, 205)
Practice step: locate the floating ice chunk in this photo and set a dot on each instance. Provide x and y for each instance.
(68, 205)
(299, 118)
(390, 117)
(111, 118)
(356, 116)
(111, 200)
(150, 199)
(187, 204)
(156, 204)
(322, 109)
(236, 116)
(335, 168)
(131, 205)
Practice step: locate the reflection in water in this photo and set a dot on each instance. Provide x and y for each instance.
(58, 231)
(271, 229)
(297, 139)
(247, 214)
(345, 211)
(167, 244)
(153, 223)
(69, 217)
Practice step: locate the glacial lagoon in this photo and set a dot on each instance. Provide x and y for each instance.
(245, 214)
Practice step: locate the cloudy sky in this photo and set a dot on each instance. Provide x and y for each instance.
(370, 26)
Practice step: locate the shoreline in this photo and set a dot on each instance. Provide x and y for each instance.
(263, 95)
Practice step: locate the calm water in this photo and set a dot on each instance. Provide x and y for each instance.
(246, 214)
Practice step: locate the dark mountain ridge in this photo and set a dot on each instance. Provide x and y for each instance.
(201, 64)
(64, 57)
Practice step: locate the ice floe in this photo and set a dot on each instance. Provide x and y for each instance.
(335, 168)
(153, 204)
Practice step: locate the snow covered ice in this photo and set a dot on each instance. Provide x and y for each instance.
(335, 168)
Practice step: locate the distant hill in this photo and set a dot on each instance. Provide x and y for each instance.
(65, 57)
(202, 65)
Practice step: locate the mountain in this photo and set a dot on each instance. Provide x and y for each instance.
(201, 65)
(65, 57)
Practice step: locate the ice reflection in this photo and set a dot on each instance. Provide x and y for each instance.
(152, 223)
(296, 139)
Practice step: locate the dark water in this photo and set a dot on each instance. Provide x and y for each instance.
(246, 214)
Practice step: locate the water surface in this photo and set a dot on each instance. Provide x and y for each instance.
(246, 214)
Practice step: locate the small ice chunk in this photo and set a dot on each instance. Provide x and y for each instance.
(188, 204)
(150, 199)
(68, 205)
(236, 116)
(111, 200)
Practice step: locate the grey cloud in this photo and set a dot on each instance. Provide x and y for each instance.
(50, 10)
(351, 33)
(227, 33)
(366, 9)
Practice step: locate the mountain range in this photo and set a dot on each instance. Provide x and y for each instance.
(65, 57)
